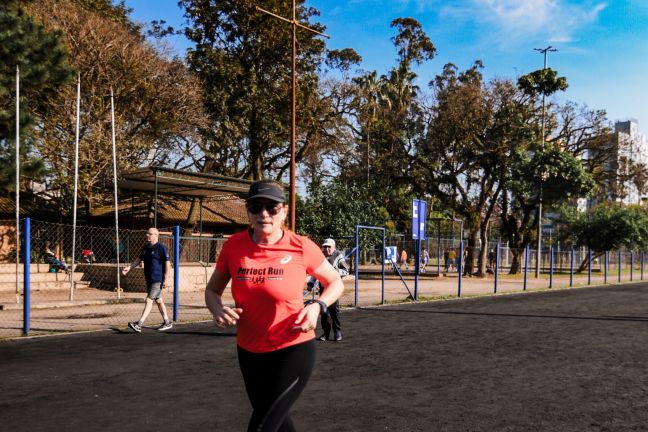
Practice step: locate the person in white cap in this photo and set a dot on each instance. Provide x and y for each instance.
(331, 319)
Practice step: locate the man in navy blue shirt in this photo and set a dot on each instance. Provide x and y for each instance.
(157, 268)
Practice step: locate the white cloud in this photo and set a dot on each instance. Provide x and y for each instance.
(508, 22)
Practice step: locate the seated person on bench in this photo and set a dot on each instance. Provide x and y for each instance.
(50, 257)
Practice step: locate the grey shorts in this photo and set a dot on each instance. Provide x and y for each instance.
(154, 290)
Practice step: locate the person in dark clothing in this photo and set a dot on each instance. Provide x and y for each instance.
(331, 319)
(157, 267)
(491, 259)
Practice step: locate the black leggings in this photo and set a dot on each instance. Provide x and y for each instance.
(273, 382)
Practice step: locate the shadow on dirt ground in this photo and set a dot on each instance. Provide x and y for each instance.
(572, 360)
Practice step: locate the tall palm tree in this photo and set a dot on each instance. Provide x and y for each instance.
(370, 97)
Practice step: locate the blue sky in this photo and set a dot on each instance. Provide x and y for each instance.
(602, 44)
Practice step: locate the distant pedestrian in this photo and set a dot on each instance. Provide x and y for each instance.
(372, 256)
(452, 259)
(331, 319)
(491, 259)
(157, 267)
(425, 257)
(403, 259)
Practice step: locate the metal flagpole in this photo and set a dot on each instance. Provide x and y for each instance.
(76, 187)
(17, 147)
(114, 157)
(293, 99)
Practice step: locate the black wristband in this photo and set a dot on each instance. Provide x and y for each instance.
(322, 305)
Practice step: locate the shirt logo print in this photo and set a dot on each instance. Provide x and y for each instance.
(286, 259)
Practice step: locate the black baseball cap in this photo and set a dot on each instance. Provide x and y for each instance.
(268, 189)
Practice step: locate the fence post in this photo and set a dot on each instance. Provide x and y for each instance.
(382, 287)
(606, 264)
(619, 265)
(643, 261)
(631, 264)
(551, 266)
(176, 271)
(571, 267)
(526, 267)
(460, 267)
(417, 266)
(357, 262)
(589, 266)
(26, 275)
(439, 248)
(497, 258)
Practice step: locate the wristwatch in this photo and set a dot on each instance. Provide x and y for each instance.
(322, 305)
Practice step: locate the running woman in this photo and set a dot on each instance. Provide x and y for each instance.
(268, 265)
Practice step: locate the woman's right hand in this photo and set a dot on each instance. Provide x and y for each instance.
(227, 316)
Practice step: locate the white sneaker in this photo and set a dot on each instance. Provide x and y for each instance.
(166, 325)
(135, 326)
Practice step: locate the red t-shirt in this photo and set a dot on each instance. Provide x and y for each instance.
(268, 284)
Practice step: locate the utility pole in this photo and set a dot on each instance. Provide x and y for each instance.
(293, 101)
(544, 51)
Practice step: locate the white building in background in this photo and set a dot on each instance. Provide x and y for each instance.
(631, 148)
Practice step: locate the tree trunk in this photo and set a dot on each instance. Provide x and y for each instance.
(481, 260)
(469, 253)
(516, 261)
(583, 265)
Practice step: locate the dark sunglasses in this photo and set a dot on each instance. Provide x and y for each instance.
(272, 208)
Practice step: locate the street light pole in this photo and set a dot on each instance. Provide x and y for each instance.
(544, 51)
(293, 101)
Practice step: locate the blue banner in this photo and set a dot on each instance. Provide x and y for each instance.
(419, 219)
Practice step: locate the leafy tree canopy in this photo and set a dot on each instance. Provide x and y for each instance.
(42, 59)
(608, 227)
(41, 56)
(543, 81)
(244, 58)
(335, 209)
(557, 173)
(157, 101)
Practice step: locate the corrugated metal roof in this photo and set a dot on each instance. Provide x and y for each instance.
(168, 181)
(230, 211)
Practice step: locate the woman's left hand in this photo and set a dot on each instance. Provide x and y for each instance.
(307, 318)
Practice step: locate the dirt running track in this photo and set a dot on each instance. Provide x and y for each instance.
(573, 360)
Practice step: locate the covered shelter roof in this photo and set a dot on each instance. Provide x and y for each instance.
(218, 216)
(227, 193)
(183, 184)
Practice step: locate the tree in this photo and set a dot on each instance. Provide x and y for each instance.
(472, 132)
(522, 195)
(542, 82)
(244, 57)
(639, 178)
(368, 99)
(333, 210)
(559, 175)
(157, 100)
(44, 67)
(586, 135)
(399, 122)
(607, 227)
(326, 124)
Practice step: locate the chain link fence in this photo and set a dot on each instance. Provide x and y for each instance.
(93, 295)
(198, 256)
